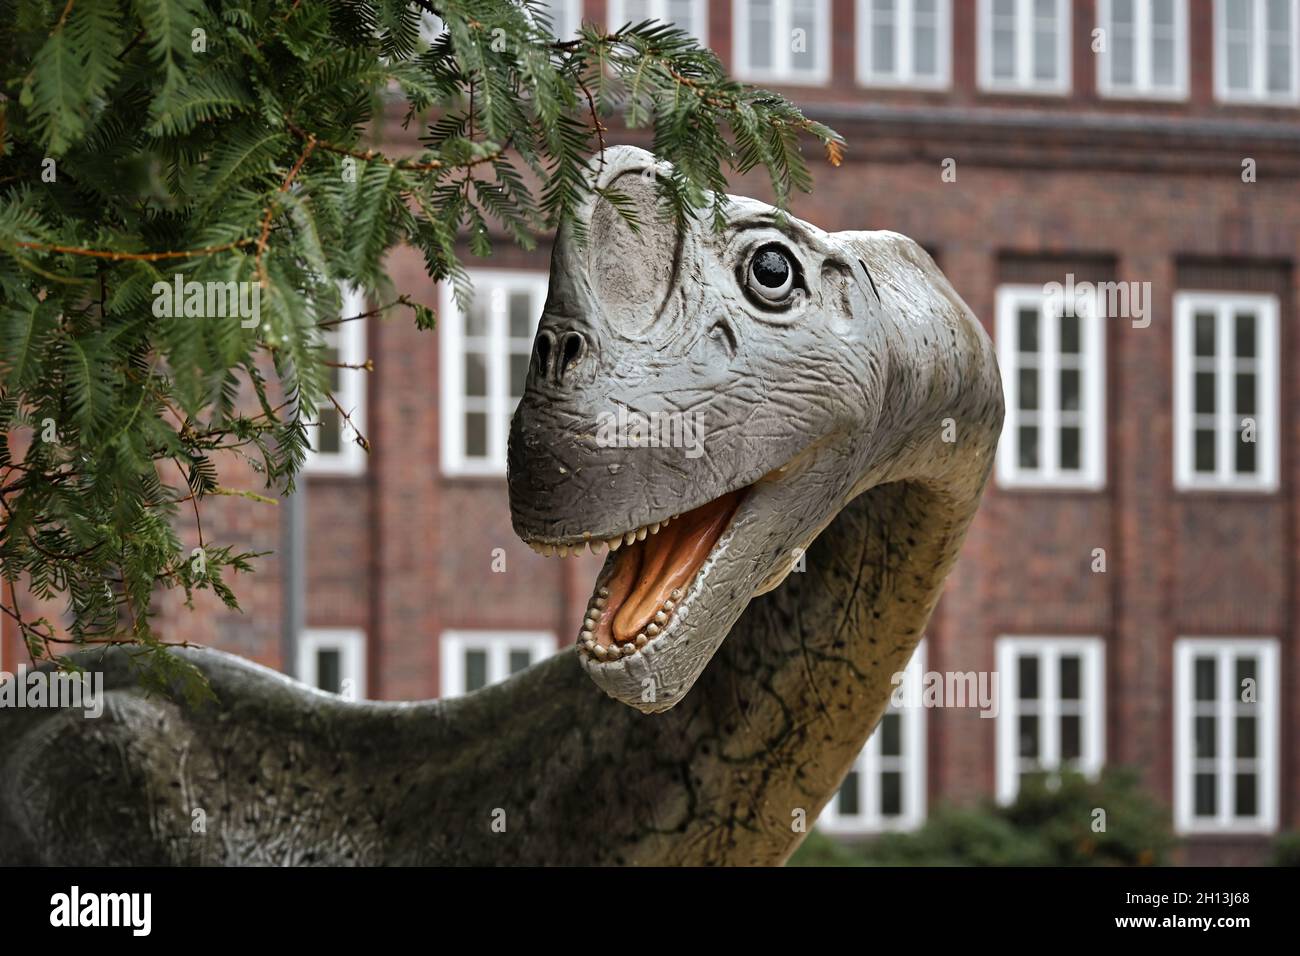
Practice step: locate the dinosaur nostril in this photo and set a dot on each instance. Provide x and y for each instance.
(545, 342)
(574, 347)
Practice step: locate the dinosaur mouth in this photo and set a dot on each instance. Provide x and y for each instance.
(641, 589)
(638, 593)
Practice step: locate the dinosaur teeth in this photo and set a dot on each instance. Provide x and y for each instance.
(575, 548)
(616, 652)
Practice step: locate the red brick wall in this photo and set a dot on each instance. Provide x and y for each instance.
(405, 552)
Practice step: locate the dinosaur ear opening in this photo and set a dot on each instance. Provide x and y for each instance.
(842, 294)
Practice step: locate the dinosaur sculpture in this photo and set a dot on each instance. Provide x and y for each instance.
(847, 404)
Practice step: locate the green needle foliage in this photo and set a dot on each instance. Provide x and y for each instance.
(224, 141)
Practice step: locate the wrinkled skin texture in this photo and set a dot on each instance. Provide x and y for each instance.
(765, 701)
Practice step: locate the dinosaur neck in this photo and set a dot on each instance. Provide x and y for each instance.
(770, 729)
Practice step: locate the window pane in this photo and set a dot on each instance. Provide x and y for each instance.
(1070, 334)
(1245, 393)
(329, 670)
(1163, 58)
(475, 374)
(891, 744)
(1245, 672)
(1071, 390)
(1205, 393)
(1071, 455)
(882, 36)
(476, 434)
(1122, 50)
(1246, 803)
(1028, 451)
(925, 43)
(1027, 671)
(1238, 41)
(1204, 328)
(1245, 337)
(1206, 795)
(1205, 451)
(1163, 39)
(847, 803)
(519, 362)
(1071, 672)
(475, 670)
(1280, 40)
(329, 436)
(891, 793)
(520, 660)
(521, 315)
(1071, 737)
(803, 36)
(1004, 39)
(476, 320)
(1029, 735)
(1206, 737)
(682, 13)
(1247, 744)
(1045, 34)
(1245, 458)
(1027, 379)
(1027, 330)
(1205, 668)
(760, 34)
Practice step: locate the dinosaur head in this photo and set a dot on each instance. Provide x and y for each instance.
(702, 403)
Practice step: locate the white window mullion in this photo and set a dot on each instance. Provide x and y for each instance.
(903, 38)
(1049, 340)
(1225, 434)
(1049, 712)
(497, 364)
(1224, 661)
(1024, 43)
(1142, 44)
(781, 28)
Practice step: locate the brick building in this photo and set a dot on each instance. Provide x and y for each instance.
(1137, 558)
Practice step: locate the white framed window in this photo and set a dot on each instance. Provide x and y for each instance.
(1226, 750)
(690, 15)
(1024, 46)
(1052, 353)
(1226, 428)
(471, 660)
(885, 788)
(1257, 51)
(566, 16)
(904, 43)
(1146, 48)
(782, 41)
(334, 449)
(1051, 711)
(484, 360)
(333, 659)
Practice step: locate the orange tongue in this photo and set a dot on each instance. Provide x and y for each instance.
(648, 572)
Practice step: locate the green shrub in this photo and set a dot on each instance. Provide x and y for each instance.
(1286, 849)
(1051, 823)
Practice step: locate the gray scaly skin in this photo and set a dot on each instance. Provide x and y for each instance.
(832, 409)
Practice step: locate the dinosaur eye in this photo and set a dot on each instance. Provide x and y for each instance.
(771, 274)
